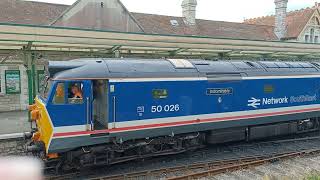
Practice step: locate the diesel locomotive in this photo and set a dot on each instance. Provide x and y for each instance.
(106, 111)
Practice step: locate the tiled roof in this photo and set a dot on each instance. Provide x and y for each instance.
(160, 24)
(28, 12)
(296, 21)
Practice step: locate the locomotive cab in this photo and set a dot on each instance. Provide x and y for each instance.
(69, 102)
(84, 100)
(68, 106)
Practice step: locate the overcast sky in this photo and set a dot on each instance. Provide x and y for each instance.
(223, 10)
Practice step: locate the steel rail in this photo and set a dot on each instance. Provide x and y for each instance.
(246, 165)
(217, 167)
(212, 168)
(176, 169)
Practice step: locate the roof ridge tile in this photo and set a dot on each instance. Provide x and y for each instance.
(273, 15)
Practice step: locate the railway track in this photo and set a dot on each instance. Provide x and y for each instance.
(215, 170)
(205, 169)
(12, 145)
(210, 167)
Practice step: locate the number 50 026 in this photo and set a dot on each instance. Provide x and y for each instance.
(165, 108)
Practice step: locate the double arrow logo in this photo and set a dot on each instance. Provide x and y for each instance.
(253, 102)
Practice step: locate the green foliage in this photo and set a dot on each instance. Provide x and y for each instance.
(313, 176)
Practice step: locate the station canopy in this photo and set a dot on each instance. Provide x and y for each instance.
(57, 39)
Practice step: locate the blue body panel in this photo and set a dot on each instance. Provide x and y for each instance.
(70, 114)
(193, 99)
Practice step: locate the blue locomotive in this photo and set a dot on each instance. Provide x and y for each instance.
(105, 111)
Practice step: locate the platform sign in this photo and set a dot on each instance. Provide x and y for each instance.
(13, 81)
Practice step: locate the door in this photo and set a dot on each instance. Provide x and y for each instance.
(70, 105)
(100, 108)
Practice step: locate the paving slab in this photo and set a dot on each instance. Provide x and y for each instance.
(14, 122)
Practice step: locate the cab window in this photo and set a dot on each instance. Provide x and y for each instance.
(59, 95)
(75, 93)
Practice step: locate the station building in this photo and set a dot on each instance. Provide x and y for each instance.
(111, 15)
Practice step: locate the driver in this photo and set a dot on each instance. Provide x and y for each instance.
(77, 94)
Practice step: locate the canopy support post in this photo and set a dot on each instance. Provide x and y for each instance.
(29, 59)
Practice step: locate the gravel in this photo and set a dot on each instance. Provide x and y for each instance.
(296, 168)
(12, 147)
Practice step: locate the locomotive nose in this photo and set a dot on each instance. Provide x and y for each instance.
(40, 136)
(32, 107)
(34, 112)
(34, 116)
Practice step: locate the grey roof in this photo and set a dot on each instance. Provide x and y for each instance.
(151, 68)
(160, 24)
(29, 12)
(116, 68)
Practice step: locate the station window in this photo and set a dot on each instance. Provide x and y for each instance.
(75, 93)
(59, 95)
(306, 38)
(160, 93)
(311, 35)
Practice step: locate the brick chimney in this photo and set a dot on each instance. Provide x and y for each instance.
(189, 11)
(281, 15)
